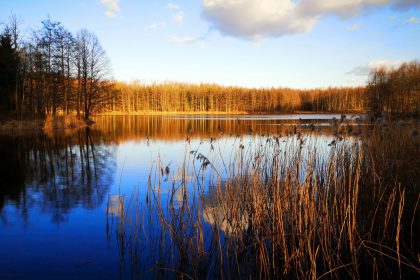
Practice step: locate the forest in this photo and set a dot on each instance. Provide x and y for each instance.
(219, 99)
(53, 71)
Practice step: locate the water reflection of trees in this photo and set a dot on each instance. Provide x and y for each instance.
(11, 170)
(123, 128)
(56, 173)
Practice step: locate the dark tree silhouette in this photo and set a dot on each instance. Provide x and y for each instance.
(9, 63)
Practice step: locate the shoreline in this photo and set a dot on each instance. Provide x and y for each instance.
(18, 125)
(178, 113)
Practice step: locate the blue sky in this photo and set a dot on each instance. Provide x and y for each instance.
(252, 43)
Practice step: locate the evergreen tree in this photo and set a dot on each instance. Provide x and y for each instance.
(9, 63)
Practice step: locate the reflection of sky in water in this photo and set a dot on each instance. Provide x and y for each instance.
(54, 223)
(136, 160)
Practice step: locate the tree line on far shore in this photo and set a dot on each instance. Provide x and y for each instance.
(178, 97)
(53, 71)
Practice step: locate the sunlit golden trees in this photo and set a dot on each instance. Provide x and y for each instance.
(210, 98)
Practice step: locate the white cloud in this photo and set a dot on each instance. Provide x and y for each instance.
(178, 18)
(363, 70)
(183, 40)
(251, 19)
(112, 7)
(172, 6)
(157, 25)
(413, 20)
(354, 27)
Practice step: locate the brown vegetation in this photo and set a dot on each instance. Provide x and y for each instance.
(395, 90)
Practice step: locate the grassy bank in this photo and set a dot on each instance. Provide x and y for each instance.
(17, 125)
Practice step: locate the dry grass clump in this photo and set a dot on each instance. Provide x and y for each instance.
(49, 125)
(20, 126)
(280, 208)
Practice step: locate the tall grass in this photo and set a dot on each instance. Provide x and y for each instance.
(280, 208)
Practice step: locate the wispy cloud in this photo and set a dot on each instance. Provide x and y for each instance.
(413, 20)
(250, 19)
(157, 25)
(184, 40)
(178, 18)
(172, 6)
(112, 6)
(354, 27)
(363, 70)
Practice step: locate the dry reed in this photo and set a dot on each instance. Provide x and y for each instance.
(280, 208)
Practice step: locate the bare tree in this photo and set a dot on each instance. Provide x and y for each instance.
(63, 48)
(93, 69)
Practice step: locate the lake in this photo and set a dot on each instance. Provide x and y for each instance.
(63, 193)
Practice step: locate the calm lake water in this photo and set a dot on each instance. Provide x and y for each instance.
(59, 190)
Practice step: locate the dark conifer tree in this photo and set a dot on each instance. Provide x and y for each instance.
(9, 63)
